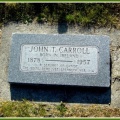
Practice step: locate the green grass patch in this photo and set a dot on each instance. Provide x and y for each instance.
(31, 109)
(83, 14)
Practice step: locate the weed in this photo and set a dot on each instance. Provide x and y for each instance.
(42, 18)
(70, 18)
(62, 109)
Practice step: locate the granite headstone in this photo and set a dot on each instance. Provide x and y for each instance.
(77, 60)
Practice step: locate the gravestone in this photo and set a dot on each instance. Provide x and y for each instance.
(75, 60)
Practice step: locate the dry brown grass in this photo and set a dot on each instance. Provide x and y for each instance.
(32, 109)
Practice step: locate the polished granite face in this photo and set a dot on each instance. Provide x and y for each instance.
(76, 60)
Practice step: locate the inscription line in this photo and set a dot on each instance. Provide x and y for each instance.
(59, 60)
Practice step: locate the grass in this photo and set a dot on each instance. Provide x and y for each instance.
(31, 109)
(62, 109)
(82, 14)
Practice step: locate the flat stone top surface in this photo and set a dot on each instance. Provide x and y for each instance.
(80, 60)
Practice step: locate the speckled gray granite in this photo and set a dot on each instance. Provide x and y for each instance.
(92, 62)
